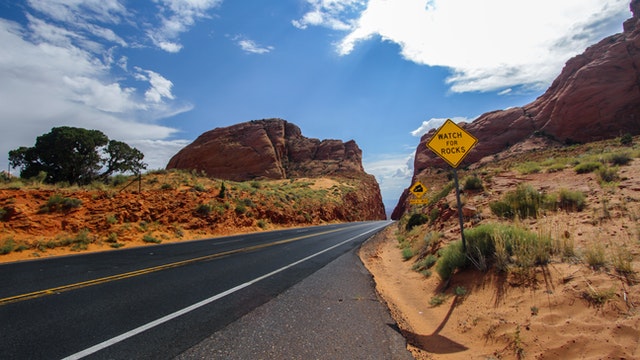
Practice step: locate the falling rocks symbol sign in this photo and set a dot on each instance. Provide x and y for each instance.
(452, 143)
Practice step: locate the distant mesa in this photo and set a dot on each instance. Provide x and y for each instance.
(595, 97)
(271, 149)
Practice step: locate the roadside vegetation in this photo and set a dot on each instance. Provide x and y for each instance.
(163, 205)
(507, 234)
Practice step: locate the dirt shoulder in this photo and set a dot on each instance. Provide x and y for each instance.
(497, 320)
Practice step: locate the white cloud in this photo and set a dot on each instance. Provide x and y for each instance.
(488, 45)
(49, 80)
(435, 123)
(334, 14)
(176, 17)
(393, 172)
(251, 46)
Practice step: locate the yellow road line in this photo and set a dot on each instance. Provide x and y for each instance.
(59, 289)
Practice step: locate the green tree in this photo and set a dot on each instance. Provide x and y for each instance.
(75, 155)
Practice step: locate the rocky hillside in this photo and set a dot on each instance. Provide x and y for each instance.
(276, 149)
(595, 97)
(38, 220)
(267, 149)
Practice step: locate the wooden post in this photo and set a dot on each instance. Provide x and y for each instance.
(460, 217)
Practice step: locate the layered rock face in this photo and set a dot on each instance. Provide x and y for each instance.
(595, 97)
(267, 149)
(276, 149)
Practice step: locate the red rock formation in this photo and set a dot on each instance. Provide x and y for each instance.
(595, 97)
(267, 149)
(276, 149)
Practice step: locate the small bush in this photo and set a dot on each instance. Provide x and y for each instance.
(529, 167)
(472, 182)
(148, 238)
(587, 167)
(594, 256)
(111, 219)
(437, 300)
(608, 174)
(407, 253)
(204, 209)
(199, 188)
(240, 209)
(525, 202)
(60, 203)
(416, 220)
(451, 258)
(8, 245)
(622, 158)
(599, 297)
(425, 263)
(622, 261)
(626, 139)
(569, 200)
(502, 209)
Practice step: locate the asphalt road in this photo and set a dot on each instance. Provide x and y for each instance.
(156, 302)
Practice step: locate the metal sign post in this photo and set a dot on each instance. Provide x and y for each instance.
(452, 143)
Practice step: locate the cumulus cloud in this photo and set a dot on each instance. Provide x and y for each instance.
(54, 73)
(176, 17)
(334, 14)
(392, 172)
(251, 46)
(435, 123)
(489, 45)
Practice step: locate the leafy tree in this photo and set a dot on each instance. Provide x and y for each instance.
(75, 155)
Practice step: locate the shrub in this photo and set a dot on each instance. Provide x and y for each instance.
(148, 238)
(472, 182)
(240, 208)
(416, 220)
(407, 253)
(204, 209)
(525, 201)
(451, 258)
(8, 245)
(595, 256)
(622, 158)
(587, 167)
(608, 174)
(425, 263)
(434, 214)
(60, 203)
(569, 200)
(199, 188)
(437, 300)
(3, 214)
(529, 167)
(111, 219)
(626, 139)
(502, 209)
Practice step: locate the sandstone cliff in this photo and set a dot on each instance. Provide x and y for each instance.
(276, 149)
(595, 97)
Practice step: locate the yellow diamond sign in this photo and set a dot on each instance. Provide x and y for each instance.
(452, 143)
(418, 189)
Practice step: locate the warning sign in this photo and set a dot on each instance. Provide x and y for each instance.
(424, 201)
(418, 189)
(452, 143)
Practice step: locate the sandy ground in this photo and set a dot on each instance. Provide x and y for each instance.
(496, 320)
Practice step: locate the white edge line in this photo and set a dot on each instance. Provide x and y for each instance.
(164, 319)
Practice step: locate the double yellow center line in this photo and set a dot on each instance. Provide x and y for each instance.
(83, 284)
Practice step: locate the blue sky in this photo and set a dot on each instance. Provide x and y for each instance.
(158, 73)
